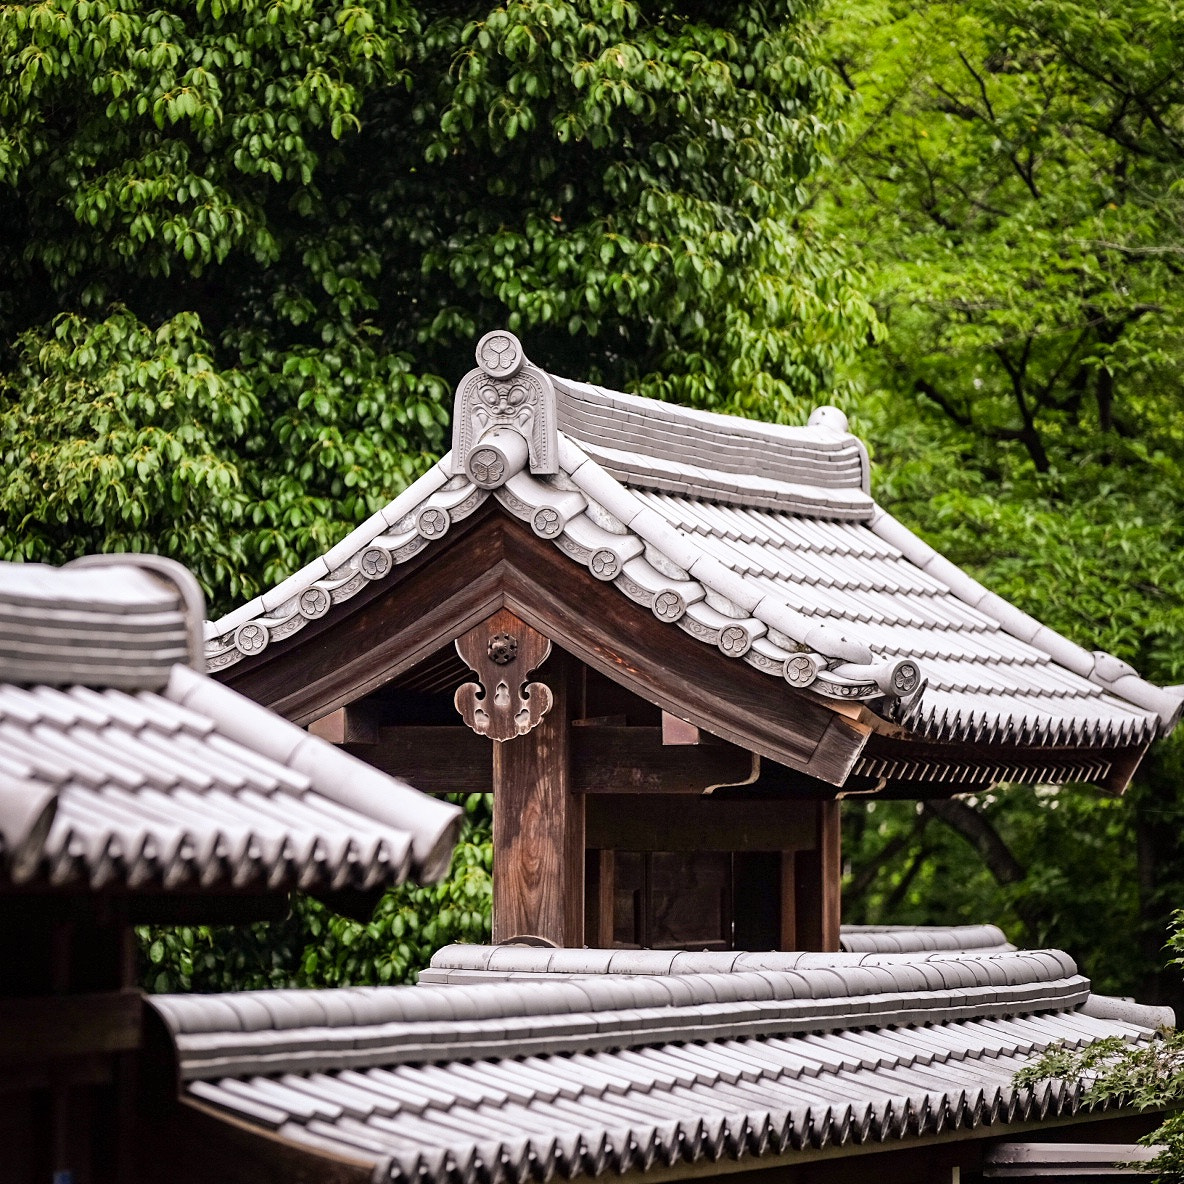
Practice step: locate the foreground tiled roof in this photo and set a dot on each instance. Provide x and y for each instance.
(476, 963)
(122, 767)
(761, 541)
(908, 939)
(604, 1074)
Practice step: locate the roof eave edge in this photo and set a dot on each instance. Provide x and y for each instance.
(1165, 703)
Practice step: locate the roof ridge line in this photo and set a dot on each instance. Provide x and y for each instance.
(827, 430)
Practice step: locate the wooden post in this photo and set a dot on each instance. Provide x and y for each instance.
(830, 851)
(538, 827)
(606, 903)
(818, 875)
(789, 912)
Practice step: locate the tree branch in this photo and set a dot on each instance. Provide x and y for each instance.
(978, 831)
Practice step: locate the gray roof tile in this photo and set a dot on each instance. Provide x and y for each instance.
(773, 522)
(655, 1100)
(158, 776)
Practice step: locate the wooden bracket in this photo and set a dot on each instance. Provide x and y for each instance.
(502, 651)
(356, 723)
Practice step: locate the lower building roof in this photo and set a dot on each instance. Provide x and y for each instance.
(501, 963)
(122, 768)
(606, 1073)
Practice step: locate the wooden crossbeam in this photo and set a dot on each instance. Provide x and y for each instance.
(55, 1027)
(617, 759)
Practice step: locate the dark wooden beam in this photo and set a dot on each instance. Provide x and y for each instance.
(787, 889)
(53, 1027)
(606, 898)
(492, 561)
(356, 723)
(635, 822)
(671, 669)
(433, 759)
(538, 826)
(818, 875)
(389, 627)
(197, 1144)
(637, 760)
(604, 760)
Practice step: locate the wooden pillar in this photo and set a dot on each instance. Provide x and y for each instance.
(817, 875)
(789, 902)
(830, 849)
(538, 825)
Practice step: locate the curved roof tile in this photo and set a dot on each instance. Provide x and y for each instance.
(120, 766)
(759, 540)
(615, 1072)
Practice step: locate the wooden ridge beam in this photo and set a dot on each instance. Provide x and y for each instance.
(56, 1027)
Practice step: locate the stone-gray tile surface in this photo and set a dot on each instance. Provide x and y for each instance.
(612, 1073)
(122, 767)
(763, 542)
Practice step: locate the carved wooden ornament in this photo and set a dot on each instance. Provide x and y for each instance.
(502, 651)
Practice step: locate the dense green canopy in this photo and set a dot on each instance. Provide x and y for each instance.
(250, 245)
(1012, 184)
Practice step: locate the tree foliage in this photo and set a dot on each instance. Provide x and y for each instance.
(320, 206)
(1012, 184)
(315, 947)
(1142, 1077)
(249, 243)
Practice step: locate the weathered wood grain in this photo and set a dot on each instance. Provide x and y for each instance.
(671, 669)
(52, 1027)
(503, 652)
(538, 826)
(604, 760)
(494, 562)
(818, 874)
(197, 1144)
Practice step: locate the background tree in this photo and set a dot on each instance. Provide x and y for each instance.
(249, 243)
(1013, 184)
(337, 199)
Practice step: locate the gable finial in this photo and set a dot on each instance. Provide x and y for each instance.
(505, 396)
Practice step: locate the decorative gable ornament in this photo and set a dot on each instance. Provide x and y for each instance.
(504, 416)
(502, 652)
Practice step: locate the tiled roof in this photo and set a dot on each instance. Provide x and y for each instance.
(477, 963)
(908, 939)
(764, 542)
(95, 624)
(122, 767)
(602, 1074)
